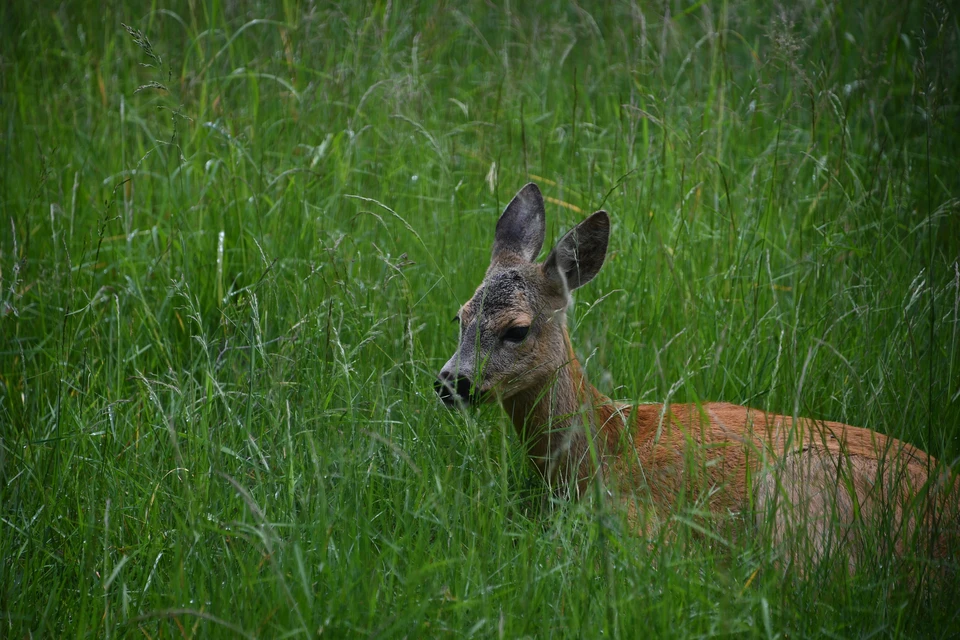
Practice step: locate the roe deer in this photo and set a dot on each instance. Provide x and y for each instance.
(818, 478)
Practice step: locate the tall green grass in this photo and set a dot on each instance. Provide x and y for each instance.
(234, 235)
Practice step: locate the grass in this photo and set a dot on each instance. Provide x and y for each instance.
(235, 234)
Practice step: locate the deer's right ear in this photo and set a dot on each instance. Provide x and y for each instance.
(521, 227)
(579, 254)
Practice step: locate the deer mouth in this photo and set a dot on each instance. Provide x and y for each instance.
(459, 392)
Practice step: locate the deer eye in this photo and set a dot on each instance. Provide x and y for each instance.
(515, 334)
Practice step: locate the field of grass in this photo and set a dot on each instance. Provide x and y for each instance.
(234, 234)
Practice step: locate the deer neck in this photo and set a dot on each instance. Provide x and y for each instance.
(556, 419)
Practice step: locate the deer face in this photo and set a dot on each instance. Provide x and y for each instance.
(512, 331)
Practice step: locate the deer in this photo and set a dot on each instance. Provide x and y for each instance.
(819, 479)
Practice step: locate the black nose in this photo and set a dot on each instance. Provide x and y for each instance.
(451, 391)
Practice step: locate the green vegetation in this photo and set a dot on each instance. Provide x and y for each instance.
(234, 235)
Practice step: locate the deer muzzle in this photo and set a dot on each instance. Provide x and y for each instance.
(455, 390)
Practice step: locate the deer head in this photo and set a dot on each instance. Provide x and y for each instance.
(513, 330)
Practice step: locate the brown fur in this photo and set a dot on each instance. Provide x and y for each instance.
(821, 479)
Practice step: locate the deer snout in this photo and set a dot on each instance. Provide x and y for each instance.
(452, 389)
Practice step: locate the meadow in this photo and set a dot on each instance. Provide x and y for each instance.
(233, 236)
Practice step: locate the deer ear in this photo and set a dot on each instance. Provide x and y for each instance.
(578, 256)
(521, 227)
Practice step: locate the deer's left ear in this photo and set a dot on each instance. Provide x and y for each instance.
(521, 227)
(579, 254)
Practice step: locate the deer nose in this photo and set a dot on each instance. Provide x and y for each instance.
(451, 390)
